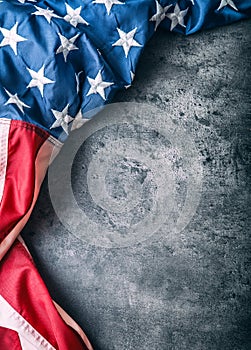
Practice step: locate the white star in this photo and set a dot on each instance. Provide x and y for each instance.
(10, 37)
(78, 121)
(177, 17)
(132, 78)
(126, 40)
(62, 119)
(160, 14)
(108, 4)
(38, 79)
(227, 2)
(98, 86)
(48, 14)
(77, 81)
(67, 45)
(15, 100)
(73, 16)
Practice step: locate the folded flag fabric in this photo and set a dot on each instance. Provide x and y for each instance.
(59, 60)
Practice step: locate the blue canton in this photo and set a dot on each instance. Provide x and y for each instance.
(60, 60)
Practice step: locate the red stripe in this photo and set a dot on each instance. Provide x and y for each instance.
(24, 142)
(9, 340)
(23, 288)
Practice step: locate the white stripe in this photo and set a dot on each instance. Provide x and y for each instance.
(30, 339)
(25, 344)
(4, 136)
(57, 147)
(55, 141)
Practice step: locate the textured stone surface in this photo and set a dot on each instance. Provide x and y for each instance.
(189, 290)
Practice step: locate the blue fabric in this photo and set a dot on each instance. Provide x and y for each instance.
(96, 51)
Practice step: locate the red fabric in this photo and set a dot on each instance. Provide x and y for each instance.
(22, 287)
(9, 340)
(20, 283)
(24, 142)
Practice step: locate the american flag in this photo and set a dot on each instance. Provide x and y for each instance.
(58, 62)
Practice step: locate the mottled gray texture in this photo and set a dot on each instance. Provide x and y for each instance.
(147, 173)
(185, 291)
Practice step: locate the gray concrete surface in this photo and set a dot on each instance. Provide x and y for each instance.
(185, 290)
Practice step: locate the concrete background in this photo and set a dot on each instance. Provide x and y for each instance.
(189, 290)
